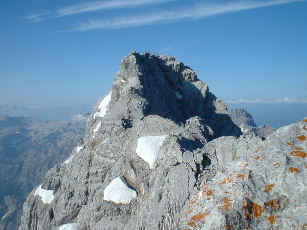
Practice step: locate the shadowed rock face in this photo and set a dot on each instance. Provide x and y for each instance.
(149, 143)
(28, 149)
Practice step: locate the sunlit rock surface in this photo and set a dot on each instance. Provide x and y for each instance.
(203, 174)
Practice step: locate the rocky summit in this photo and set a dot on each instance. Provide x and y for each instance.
(162, 152)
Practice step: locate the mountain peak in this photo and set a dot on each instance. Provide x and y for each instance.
(149, 84)
(161, 152)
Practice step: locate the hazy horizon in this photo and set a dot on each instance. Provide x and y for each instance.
(273, 114)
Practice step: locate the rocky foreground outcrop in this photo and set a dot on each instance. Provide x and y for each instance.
(162, 152)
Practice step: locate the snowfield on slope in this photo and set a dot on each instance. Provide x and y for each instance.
(118, 192)
(69, 159)
(96, 129)
(45, 195)
(69, 226)
(103, 106)
(148, 148)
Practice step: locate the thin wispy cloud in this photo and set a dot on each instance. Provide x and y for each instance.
(195, 12)
(36, 17)
(92, 6)
(104, 5)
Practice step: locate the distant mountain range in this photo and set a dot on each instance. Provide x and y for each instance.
(45, 113)
(28, 148)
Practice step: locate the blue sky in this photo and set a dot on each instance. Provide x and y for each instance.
(66, 52)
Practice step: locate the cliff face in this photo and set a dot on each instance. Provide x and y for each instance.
(152, 159)
(246, 122)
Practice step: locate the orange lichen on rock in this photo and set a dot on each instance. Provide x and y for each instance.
(241, 175)
(298, 148)
(227, 204)
(192, 224)
(301, 138)
(198, 216)
(257, 210)
(290, 143)
(248, 212)
(192, 202)
(274, 204)
(228, 226)
(269, 187)
(227, 200)
(227, 180)
(207, 192)
(258, 157)
(294, 170)
(248, 216)
(277, 164)
(299, 153)
(245, 207)
(272, 219)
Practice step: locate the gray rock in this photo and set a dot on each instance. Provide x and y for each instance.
(245, 121)
(242, 117)
(263, 131)
(256, 184)
(166, 137)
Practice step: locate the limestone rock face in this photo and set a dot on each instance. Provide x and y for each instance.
(156, 141)
(245, 121)
(242, 117)
(254, 184)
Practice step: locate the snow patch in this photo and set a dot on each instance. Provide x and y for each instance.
(148, 148)
(118, 192)
(69, 226)
(79, 148)
(96, 129)
(243, 130)
(69, 159)
(45, 195)
(103, 106)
